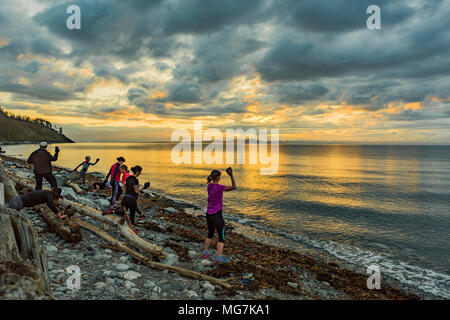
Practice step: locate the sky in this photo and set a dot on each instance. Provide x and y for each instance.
(138, 70)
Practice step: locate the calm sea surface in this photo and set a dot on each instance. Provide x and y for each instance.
(384, 205)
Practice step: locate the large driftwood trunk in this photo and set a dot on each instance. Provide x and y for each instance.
(23, 264)
(68, 229)
(10, 188)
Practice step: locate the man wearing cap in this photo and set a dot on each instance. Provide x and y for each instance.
(50, 197)
(41, 160)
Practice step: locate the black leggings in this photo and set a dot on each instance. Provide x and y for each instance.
(215, 222)
(116, 191)
(49, 177)
(81, 175)
(131, 204)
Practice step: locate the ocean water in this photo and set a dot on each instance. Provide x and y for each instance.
(382, 205)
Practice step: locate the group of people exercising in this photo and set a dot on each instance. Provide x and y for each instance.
(121, 181)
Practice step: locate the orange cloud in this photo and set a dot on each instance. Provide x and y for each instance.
(158, 95)
(413, 106)
(4, 43)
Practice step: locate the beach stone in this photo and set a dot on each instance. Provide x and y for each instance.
(205, 262)
(87, 202)
(154, 296)
(100, 285)
(60, 179)
(110, 281)
(69, 194)
(123, 259)
(108, 251)
(208, 286)
(109, 273)
(131, 275)
(135, 291)
(156, 289)
(129, 285)
(191, 294)
(111, 289)
(170, 259)
(171, 210)
(149, 284)
(292, 285)
(60, 276)
(122, 267)
(209, 296)
(192, 253)
(103, 203)
(51, 249)
(95, 293)
(178, 286)
(195, 285)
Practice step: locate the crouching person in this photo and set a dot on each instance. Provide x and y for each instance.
(31, 199)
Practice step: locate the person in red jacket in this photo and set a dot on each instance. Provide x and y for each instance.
(115, 173)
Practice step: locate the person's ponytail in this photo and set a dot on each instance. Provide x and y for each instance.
(213, 176)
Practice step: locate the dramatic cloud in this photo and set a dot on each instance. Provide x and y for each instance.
(308, 67)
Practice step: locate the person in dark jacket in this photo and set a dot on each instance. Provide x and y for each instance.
(41, 160)
(32, 199)
(129, 201)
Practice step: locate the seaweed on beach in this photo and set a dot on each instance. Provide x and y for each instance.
(273, 267)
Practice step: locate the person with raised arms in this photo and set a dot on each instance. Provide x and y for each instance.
(214, 218)
(42, 165)
(85, 166)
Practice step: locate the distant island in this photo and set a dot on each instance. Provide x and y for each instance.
(19, 129)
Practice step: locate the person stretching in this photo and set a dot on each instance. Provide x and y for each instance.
(132, 191)
(214, 218)
(115, 179)
(86, 164)
(50, 197)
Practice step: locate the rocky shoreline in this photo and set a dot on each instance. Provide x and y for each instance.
(179, 228)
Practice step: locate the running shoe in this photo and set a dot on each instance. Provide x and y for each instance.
(136, 232)
(206, 254)
(109, 211)
(141, 218)
(221, 259)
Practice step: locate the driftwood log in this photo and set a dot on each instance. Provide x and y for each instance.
(68, 229)
(10, 188)
(74, 187)
(120, 246)
(122, 227)
(23, 264)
